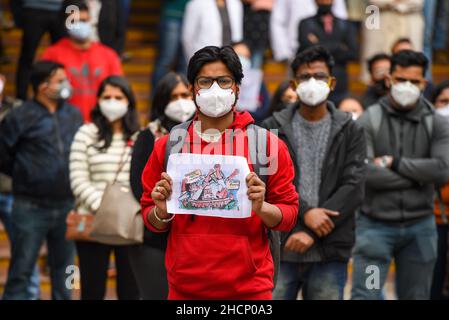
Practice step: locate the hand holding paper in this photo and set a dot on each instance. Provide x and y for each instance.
(161, 192)
(209, 185)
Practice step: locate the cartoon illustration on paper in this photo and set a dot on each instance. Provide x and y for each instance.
(211, 190)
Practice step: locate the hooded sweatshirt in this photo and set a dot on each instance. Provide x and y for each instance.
(218, 258)
(86, 70)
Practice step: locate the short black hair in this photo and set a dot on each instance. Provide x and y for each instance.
(81, 4)
(439, 89)
(401, 40)
(408, 58)
(376, 58)
(42, 71)
(211, 54)
(313, 54)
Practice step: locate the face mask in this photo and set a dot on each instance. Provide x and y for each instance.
(113, 109)
(313, 92)
(246, 62)
(405, 93)
(180, 110)
(444, 111)
(63, 92)
(215, 102)
(324, 9)
(80, 31)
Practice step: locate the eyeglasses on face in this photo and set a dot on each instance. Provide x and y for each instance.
(416, 82)
(319, 76)
(224, 82)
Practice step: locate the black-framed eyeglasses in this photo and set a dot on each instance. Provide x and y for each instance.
(402, 80)
(319, 76)
(225, 82)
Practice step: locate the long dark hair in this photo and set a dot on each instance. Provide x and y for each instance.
(130, 123)
(162, 97)
(276, 103)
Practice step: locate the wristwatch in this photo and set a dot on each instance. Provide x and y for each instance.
(160, 219)
(384, 162)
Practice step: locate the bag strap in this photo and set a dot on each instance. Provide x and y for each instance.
(428, 122)
(124, 159)
(375, 114)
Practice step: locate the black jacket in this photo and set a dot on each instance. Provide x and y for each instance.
(141, 153)
(341, 43)
(112, 25)
(404, 193)
(35, 147)
(342, 179)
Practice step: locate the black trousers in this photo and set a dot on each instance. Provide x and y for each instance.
(94, 262)
(148, 265)
(35, 23)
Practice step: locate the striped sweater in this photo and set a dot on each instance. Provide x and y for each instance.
(92, 169)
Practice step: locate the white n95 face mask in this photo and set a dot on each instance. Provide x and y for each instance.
(313, 92)
(80, 30)
(405, 93)
(444, 111)
(180, 110)
(113, 109)
(215, 102)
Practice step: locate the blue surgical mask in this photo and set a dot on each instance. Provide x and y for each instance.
(246, 63)
(80, 30)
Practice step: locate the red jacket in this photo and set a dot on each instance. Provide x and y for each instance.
(218, 258)
(86, 70)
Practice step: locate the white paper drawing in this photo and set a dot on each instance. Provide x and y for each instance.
(209, 185)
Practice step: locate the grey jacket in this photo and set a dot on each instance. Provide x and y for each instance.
(405, 193)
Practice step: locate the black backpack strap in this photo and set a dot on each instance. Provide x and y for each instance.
(176, 140)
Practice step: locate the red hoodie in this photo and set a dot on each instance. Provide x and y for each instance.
(86, 70)
(219, 258)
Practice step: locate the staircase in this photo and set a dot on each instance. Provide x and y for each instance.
(141, 44)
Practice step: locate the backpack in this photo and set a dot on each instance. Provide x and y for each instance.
(376, 113)
(254, 133)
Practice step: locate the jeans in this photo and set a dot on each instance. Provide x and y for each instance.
(429, 13)
(318, 281)
(441, 264)
(257, 56)
(413, 247)
(436, 17)
(32, 224)
(35, 24)
(6, 203)
(170, 50)
(440, 36)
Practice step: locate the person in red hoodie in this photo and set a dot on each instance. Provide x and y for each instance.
(86, 62)
(211, 257)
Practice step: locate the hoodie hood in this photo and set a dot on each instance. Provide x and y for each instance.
(242, 120)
